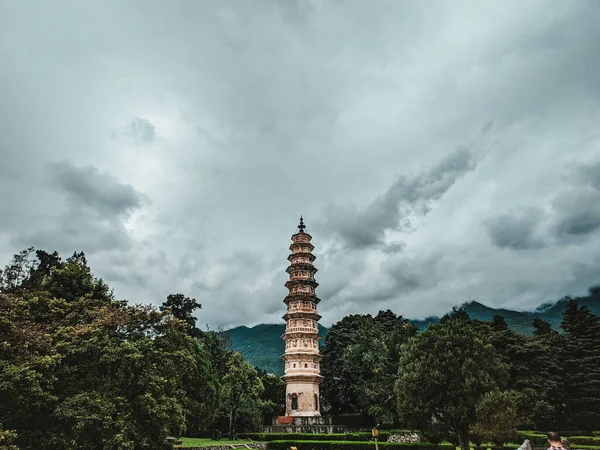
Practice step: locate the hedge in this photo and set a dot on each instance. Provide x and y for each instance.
(353, 437)
(352, 445)
(583, 440)
(577, 439)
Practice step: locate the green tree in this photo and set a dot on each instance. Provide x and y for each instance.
(581, 365)
(217, 346)
(374, 356)
(79, 370)
(541, 379)
(16, 271)
(361, 357)
(241, 392)
(443, 373)
(497, 417)
(337, 390)
(273, 398)
(183, 308)
(49, 275)
(7, 439)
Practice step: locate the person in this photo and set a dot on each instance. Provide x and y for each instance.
(555, 441)
(566, 444)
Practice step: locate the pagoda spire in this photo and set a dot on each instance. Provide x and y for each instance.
(302, 359)
(301, 227)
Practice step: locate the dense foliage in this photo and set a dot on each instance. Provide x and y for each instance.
(82, 370)
(360, 363)
(465, 379)
(445, 371)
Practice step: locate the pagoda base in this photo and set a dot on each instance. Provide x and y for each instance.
(296, 424)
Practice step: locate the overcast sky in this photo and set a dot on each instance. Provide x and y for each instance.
(440, 151)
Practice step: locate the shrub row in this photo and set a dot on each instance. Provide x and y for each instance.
(352, 445)
(575, 438)
(583, 440)
(492, 447)
(354, 437)
(575, 433)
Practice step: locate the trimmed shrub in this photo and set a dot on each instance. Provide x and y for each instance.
(490, 447)
(577, 439)
(584, 440)
(353, 437)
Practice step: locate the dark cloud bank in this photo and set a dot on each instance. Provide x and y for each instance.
(436, 158)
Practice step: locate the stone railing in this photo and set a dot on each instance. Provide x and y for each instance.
(301, 329)
(308, 309)
(302, 349)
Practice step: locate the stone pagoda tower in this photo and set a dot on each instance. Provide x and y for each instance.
(302, 359)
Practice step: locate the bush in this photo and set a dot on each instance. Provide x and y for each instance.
(352, 445)
(489, 447)
(353, 437)
(584, 440)
(576, 438)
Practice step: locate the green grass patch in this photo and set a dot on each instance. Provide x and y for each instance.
(208, 442)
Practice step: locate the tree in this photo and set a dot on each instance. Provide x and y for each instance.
(581, 365)
(7, 439)
(338, 394)
(361, 356)
(48, 274)
(374, 356)
(217, 346)
(443, 373)
(273, 399)
(79, 370)
(183, 308)
(497, 417)
(541, 378)
(241, 392)
(17, 271)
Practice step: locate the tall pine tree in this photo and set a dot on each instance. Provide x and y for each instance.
(581, 365)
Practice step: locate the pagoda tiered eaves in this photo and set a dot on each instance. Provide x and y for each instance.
(297, 297)
(302, 255)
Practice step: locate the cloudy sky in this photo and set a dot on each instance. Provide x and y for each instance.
(440, 151)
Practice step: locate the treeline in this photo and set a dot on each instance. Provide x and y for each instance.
(82, 370)
(465, 380)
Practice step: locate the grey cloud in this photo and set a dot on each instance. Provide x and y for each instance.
(86, 211)
(516, 230)
(577, 207)
(296, 12)
(396, 208)
(577, 213)
(138, 130)
(75, 230)
(588, 174)
(235, 117)
(87, 186)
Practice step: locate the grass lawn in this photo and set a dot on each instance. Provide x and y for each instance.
(207, 442)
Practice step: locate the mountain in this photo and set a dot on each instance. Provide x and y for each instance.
(262, 345)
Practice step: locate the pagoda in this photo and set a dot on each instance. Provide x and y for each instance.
(302, 359)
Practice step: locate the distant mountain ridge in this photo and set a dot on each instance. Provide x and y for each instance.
(262, 345)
